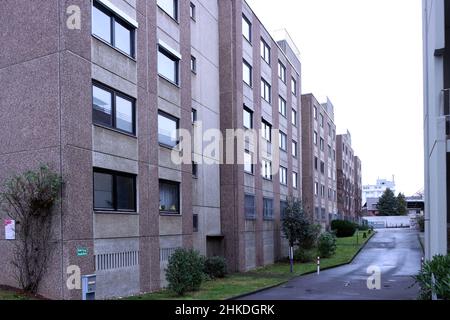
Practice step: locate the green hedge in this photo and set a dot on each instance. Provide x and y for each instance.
(343, 228)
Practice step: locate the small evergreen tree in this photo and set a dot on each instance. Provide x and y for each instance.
(387, 204)
(402, 206)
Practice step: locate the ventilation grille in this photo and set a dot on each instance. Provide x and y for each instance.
(118, 260)
(164, 254)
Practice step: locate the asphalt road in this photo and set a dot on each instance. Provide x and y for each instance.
(396, 252)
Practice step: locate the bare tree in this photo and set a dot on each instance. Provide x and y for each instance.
(29, 199)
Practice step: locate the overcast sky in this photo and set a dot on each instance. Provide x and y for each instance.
(366, 56)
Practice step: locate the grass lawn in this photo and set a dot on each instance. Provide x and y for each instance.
(242, 283)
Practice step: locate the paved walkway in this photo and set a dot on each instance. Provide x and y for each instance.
(397, 252)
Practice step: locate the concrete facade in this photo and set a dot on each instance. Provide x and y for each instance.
(357, 197)
(319, 160)
(436, 17)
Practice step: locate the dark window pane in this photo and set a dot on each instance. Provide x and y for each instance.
(124, 114)
(101, 24)
(122, 38)
(125, 193)
(169, 197)
(103, 191)
(168, 66)
(249, 206)
(167, 131)
(102, 106)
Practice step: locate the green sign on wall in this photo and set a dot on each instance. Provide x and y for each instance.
(82, 252)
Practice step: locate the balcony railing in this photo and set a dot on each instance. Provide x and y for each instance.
(445, 111)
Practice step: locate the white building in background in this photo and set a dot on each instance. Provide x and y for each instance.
(436, 19)
(377, 190)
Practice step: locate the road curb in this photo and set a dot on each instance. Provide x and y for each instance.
(306, 273)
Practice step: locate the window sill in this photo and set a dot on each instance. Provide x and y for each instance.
(169, 147)
(269, 219)
(112, 47)
(169, 81)
(250, 218)
(249, 173)
(248, 41)
(116, 130)
(266, 179)
(168, 14)
(169, 214)
(126, 213)
(248, 85)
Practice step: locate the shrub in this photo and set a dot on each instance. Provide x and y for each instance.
(215, 267)
(185, 271)
(343, 228)
(440, 267)
(311, 235)
(327, 245)
(304, 255)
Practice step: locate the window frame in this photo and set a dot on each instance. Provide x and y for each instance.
(173, 183)
(266, 167)
(193, 64)
(268, 211)
(177, 121)
(294, 180)
(174, 58)
(244, 18)
(252, 166)
(283, 176)
(266, 127)
(294, 89)
(250, 68)
(266, 88)
(282, 105)
(294, 149)
(114, 175)
(250, 112)
(253, 215)
(114, 94)
(266, 53)
(283, 141)
(114, 17)
(294, 115)
(193, 11)
(282, 71)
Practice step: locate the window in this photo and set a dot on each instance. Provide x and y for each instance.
(294, 87)
(169, 197)
(295, 180)
(266, 169)
(193, 64)
(281, 71)
(315, 112)
(168, 65)
(249, 206)
(266, 131)
(265, 51)
(248, 118)
(316, 189)
(194, 116)
(247, 73)
(167, 130)
(194, 169)
(294, 118)
(170, 7)
(195, 223)
(329, 130)
(248, 162)
(315, 138)
(330, 152)
(114, 191)
(316, 163)
(113, 109)
(193, 11)
(321, 120)
(110, 28)
(246, 29)
(294, 149)
(283, 208)
(283, 141)
(322, 144)
(268, 208)
(322, 167)
(282, 106)
(283, 176)
(266, 92)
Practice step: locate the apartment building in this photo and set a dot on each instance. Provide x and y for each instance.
(345, 177)
(436, 43)
(357, 196)
(376, 190)
(253, 195)
(101, 104)
(319, 160)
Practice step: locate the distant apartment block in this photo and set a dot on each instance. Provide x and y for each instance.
(319, 160)
(436, 46)
(345, 177)
(376, 190)
(357, 190)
